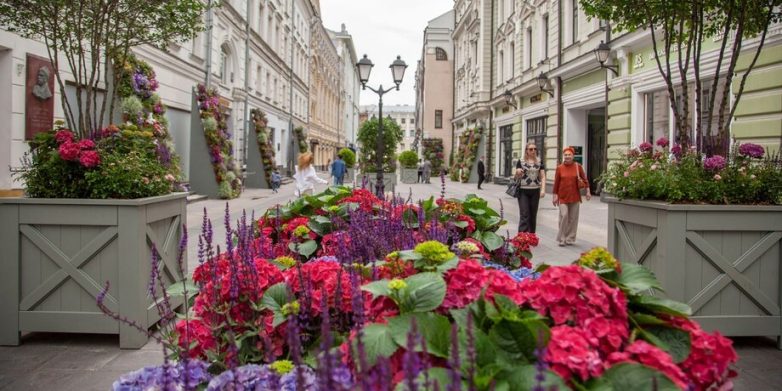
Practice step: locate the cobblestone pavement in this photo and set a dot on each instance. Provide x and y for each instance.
(51, 361)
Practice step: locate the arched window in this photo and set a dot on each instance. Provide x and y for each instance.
(440, 54)
(226, 67)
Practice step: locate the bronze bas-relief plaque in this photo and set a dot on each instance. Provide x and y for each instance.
(39, 96)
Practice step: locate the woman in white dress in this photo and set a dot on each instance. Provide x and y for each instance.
(305, 175)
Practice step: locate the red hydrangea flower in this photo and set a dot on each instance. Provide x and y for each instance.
(644, 353)
(331, 242)
(86, 144)
(198, 331)
(574, 295)
(319, 277)
(89, 159)
(569, 353)
(63, 135)
(711, 356)
(69, 151)
(470, 223)
(523, 242)
(469, 278)
(363, 197)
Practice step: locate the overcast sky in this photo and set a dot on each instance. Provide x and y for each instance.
(383, 29)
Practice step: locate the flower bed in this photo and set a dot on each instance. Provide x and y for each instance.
(218, 141)
(264, 143)
(343, 291)
(468, 149)
(675, 175)
(433, 150)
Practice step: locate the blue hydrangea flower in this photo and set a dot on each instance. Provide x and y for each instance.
(517, 275)
(156, 377)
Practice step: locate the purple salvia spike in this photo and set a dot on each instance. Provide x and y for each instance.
(442, 184)
(326, 364)
(411, 365)
(454, 367)
(471, 354)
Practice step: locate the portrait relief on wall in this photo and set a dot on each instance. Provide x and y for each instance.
(39, 96)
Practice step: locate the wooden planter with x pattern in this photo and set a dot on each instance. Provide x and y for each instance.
(57, 254)
(725, 261)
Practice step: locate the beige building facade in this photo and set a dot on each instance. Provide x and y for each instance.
(325, 99)
(434, 86)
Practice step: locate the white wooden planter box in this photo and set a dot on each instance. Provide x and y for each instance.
(57, 254)
(722, 260)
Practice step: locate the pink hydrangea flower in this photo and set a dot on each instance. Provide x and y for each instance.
(646, 147)
(663, 142)
(570, 353)
(69, 151)
(89, 159)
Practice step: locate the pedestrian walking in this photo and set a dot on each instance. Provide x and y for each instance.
(338, 170)
(420, 170)
(481, 172)
(276, 180)
(305, 175)
(568, 182)
(531, 176)
(427, 170)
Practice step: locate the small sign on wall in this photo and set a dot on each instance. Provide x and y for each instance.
(39, 96)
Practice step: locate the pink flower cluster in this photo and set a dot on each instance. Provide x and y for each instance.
(319, 278)
(82, 151)
(572, 295)
(644, 353)
(569, 353)
(710, 356)
(465, 283)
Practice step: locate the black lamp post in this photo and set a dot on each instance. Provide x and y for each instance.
(398, 71)
(509, 99)
(601, 53)
(543, 84)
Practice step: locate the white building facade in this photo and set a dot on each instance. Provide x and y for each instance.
(257, 54)
(351, 84)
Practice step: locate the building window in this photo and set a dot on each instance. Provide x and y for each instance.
(225, 66)
(656, 115)
(440, 54)
(404, 120)
(501, 68)
(512, 60)
(438, 119)
(529, 47)
(544, 37)
(536, 133)
(574, 22)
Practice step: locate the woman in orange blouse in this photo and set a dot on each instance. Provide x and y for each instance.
(567, 196)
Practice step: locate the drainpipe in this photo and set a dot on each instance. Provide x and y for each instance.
(560, 106)
(246, 115)
(490, 146)
(605, 124)
(290, 88)
(209, 27)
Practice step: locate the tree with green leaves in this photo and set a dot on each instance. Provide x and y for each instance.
(679, 31)
(82, 37)
(367, 140)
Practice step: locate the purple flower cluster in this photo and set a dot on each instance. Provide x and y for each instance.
(752, 150)
(143, 85)
(662, 142)
(165, 377)
(646, 147)
(676, 150)
(714, 163)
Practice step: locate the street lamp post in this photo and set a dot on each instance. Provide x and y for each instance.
(398, 71)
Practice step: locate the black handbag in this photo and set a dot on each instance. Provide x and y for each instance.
(513, 189)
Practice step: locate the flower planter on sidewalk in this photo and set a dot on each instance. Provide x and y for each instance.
(409, 175)
(722, 260)
(59, 253)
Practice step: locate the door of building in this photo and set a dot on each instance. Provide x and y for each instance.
(596, 147)
(506, 150)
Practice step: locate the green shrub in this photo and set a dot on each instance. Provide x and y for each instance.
(367, 139)
(135, 174)
(131, 106)
(348, 156)
(408, 159)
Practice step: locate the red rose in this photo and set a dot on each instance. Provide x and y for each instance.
(69, 151)
(89, 159)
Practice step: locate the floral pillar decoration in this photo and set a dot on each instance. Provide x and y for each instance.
(218, 141)
(264, 142)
